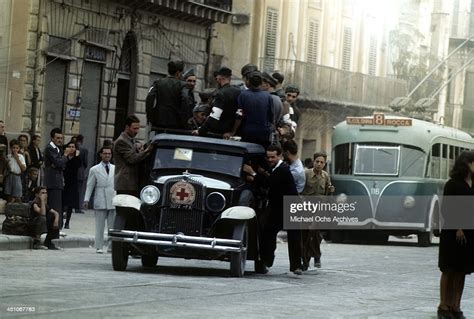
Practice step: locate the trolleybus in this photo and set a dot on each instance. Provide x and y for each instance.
(397, 168)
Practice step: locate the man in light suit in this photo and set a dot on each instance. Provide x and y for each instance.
(101, 179)
(54, 164)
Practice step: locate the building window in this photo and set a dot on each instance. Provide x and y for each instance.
(58, 45)
(347, 49)
(313, 41)
(373, 56)
(271, 29)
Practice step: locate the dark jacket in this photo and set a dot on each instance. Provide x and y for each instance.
(127, 164)
(36, 159)
(54, 164)
(172, 104)
(224, 108)
(280, 183)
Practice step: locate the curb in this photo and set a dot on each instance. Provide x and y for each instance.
(14, 242)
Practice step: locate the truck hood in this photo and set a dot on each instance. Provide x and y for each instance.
(206, 181)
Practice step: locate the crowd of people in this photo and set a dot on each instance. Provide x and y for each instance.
(50, 181)
(261, 111)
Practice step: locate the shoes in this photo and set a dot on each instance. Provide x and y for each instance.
(317, 262)
(62, 234)
(66, 226)
(38, 246)
(99, 251)
(53, 247)
(458, 315)
(446, 314)
(298, 272)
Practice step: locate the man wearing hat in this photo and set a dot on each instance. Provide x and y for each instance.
(245, 71)
(172, 109)
(200, 114)
(224, 105)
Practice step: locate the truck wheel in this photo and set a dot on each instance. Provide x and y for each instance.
(119, 255)
(238, 260)
(149, 260)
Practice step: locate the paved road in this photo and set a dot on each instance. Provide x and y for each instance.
(356, 281)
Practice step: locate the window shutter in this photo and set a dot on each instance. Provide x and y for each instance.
(373, 56)
(347, 49)
(313, 41)
(270, 39)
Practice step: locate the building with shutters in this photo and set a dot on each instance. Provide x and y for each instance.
(83, 65)
(340, 53)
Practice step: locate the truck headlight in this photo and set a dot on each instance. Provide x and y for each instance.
(150, 195)
(215, 202)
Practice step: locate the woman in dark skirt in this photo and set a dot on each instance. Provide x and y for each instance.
(456, 247)
(71, 188)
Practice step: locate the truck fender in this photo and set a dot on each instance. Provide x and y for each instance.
(124, 200)
(238, 212)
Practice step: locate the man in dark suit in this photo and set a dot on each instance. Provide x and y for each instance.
(54, 164)
(172, 108)
(128, 156)
(280, 183)
(81, 172)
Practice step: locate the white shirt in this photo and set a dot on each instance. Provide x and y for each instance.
(297, 170)
(14, 167)
(54, 146)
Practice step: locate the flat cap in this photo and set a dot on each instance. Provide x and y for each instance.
(269, 79)
(246, 69)
(278, 76)
(188, 73)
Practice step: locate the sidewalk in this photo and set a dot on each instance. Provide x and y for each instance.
(80, 234)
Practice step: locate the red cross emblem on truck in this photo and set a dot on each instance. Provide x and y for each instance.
(182, 193)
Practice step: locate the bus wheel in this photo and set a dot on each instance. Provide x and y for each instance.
(425, 238)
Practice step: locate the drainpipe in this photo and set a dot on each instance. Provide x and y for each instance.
(208, 53)
(36, 72)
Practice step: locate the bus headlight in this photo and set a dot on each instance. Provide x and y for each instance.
(341, 198)
(409, 202)
(150, 195)
(215, 202)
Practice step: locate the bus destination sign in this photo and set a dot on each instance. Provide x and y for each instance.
(378, 119)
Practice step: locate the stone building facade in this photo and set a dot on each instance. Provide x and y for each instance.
(89, 63)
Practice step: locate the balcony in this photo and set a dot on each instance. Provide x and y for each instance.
(335, 86)
(199, 11)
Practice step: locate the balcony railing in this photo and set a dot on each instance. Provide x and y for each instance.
(322, 83)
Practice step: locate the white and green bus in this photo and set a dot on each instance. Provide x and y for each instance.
(397, 168)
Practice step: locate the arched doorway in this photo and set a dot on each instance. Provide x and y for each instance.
(126, 84)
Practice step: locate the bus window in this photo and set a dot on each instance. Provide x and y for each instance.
(343, 159)
(435, 161)
(376, 160)
(444, 162)
(412, 161)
